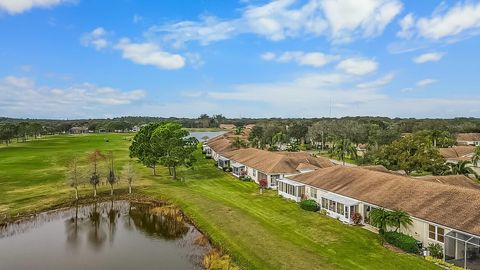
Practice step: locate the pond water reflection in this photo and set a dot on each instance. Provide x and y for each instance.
(112, 235)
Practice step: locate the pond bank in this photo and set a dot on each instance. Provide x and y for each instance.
(141, 211)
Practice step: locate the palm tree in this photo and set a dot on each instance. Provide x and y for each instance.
(279, 138)
(239, 130)
(399, 218)
(238, 143)
(461, 168)
(380, 218)
(476, 156)
(343, 148)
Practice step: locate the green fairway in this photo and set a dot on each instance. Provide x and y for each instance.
(259, 231)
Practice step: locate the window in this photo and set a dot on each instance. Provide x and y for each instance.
(254, 173)
(332, 205)
(340, 208)
(436, 233)
(324, 203)
(273, 180)
(313, 193)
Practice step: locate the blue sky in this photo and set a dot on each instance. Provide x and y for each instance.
(284, 58)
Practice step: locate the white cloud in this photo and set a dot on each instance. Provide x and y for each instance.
(281, 19)
(406, 25)
(96, 38)
(367, 18)
(13, 7)
(315, 59)
(24, 98)
(268, 56)
(384, 80)
(208, 30)
(191, 94)
(425, 82)
(461, 19)
(358, 66)
(428, 57)
(149, 54)
(137, 18)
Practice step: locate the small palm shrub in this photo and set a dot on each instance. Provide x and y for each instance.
(435, 250)
(402, 241)
(309, 205)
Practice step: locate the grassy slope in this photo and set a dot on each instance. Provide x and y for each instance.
(260, 231)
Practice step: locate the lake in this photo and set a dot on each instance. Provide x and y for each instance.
(210, 134)
(111, 235)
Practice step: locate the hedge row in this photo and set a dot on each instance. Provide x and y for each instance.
(402, 241)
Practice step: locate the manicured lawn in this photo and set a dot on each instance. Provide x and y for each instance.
(259, 231)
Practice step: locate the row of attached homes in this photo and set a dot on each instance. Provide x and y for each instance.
(445, 209)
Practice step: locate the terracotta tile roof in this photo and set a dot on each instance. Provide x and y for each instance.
(452, 206)
(469, 137)
(456, 151)
(454, 180)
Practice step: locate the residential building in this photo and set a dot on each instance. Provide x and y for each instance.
(261, 164)
(443, 211)
(472, 139)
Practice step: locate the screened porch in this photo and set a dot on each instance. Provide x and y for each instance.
(223, 162)
(290, 189)
(339, 207)
(238, 169)
(462, 250)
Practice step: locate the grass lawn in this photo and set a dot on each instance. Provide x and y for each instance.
(259, 231)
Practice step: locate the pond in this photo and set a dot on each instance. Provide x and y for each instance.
(204, 134)
(111, 235)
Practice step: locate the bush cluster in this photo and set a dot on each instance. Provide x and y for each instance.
(435, 250)
(309, 205)
(442, 263)
(245, 178)
(402, 241)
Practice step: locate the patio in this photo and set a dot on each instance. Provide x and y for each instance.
(462, 250)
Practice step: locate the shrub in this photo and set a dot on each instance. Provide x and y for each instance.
(357, 218)
(227, 169)
(443, 263)
(245, 178)
(323, 212)
(309, 205)
(435, 250)
(402, 241)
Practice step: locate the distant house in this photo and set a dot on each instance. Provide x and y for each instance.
(444, 209)
(78, 130)
(457, 153)
(227, 126)
(361, 149)
(135, 129)
(472, 139)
